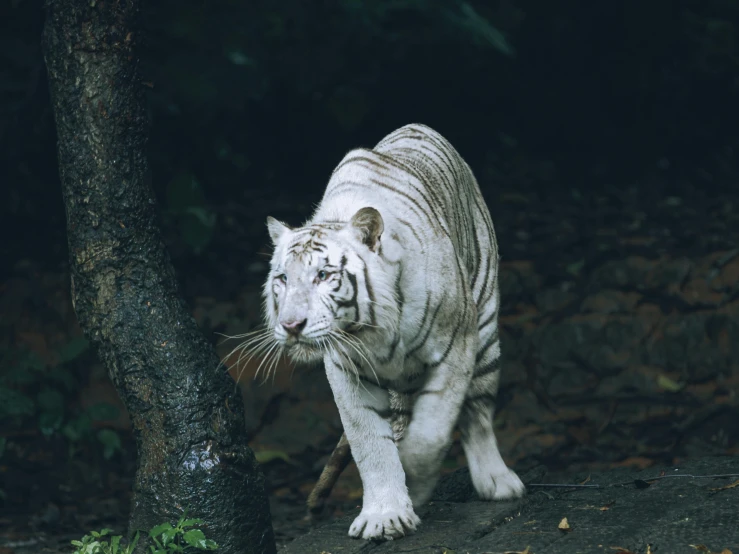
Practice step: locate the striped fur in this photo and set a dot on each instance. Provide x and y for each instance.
(393, 283)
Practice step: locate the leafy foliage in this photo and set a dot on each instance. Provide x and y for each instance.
(31, 393)
(95, 543)
(179, 538)
(166, 539)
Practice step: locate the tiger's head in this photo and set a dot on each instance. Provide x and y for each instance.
(326, 281)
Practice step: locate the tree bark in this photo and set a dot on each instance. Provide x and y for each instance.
(187, 415)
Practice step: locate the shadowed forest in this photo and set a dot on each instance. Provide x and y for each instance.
(604, 136)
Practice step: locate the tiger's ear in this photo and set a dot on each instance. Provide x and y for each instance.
(368, 222)
(276, 229)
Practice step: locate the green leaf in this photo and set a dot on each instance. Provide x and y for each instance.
(131, 547)
(19, 375)
(159, 529)
(102, 411)
(73, 349)
(64, 377)
(111, 442)
(14, 403)
(50, 422)
(210, 544)
(169, 535)
(195, 537)
(190, 522)
(50, 400)
(77, 428)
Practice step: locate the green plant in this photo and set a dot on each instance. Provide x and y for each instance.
(29, 390)
(167, 539)
(93, 544)
(178, 538)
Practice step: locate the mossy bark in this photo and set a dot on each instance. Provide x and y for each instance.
(187, 415)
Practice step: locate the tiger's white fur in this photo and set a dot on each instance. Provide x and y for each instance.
(393, 283)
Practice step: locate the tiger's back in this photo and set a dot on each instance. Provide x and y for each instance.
(416, 177)
(394, 281)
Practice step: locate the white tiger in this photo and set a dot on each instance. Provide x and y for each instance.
(393, 283)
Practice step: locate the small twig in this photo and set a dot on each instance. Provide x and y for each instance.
(718, 476)
(337, 462)
(563, 485)
(595, 486)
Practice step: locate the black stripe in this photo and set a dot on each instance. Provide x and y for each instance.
(378, 382)
(396, 335)
(413, 231)
(352, 302)
(425, 392)
(485, 347)
(409, 198)
(414, 349)
(449, 347)
(370, 293)
(489, 320)
(492, 367)
(485, 395)
(360, 157)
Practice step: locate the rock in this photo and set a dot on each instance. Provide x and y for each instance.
(625, 509)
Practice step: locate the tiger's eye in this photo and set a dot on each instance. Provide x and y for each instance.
(282, 277)
(322, 275)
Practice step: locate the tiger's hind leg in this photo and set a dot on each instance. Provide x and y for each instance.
(492, 479)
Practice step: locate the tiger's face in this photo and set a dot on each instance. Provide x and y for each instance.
(318, 287)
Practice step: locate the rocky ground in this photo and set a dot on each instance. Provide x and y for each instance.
(620, 336)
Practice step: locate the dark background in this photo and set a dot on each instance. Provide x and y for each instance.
(604, 136)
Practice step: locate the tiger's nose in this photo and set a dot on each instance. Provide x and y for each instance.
(293, 327)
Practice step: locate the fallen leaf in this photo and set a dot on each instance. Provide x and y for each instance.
(607, 507)
(564, 525)
(725, 487)
(585, 481)
(622, 550)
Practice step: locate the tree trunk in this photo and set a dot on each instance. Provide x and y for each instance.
(187, 415)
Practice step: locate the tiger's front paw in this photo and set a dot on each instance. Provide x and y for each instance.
(386, 524)
(499, 487)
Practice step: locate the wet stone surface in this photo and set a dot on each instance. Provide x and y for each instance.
(628, 512)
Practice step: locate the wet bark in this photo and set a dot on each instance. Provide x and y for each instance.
(187, 415)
